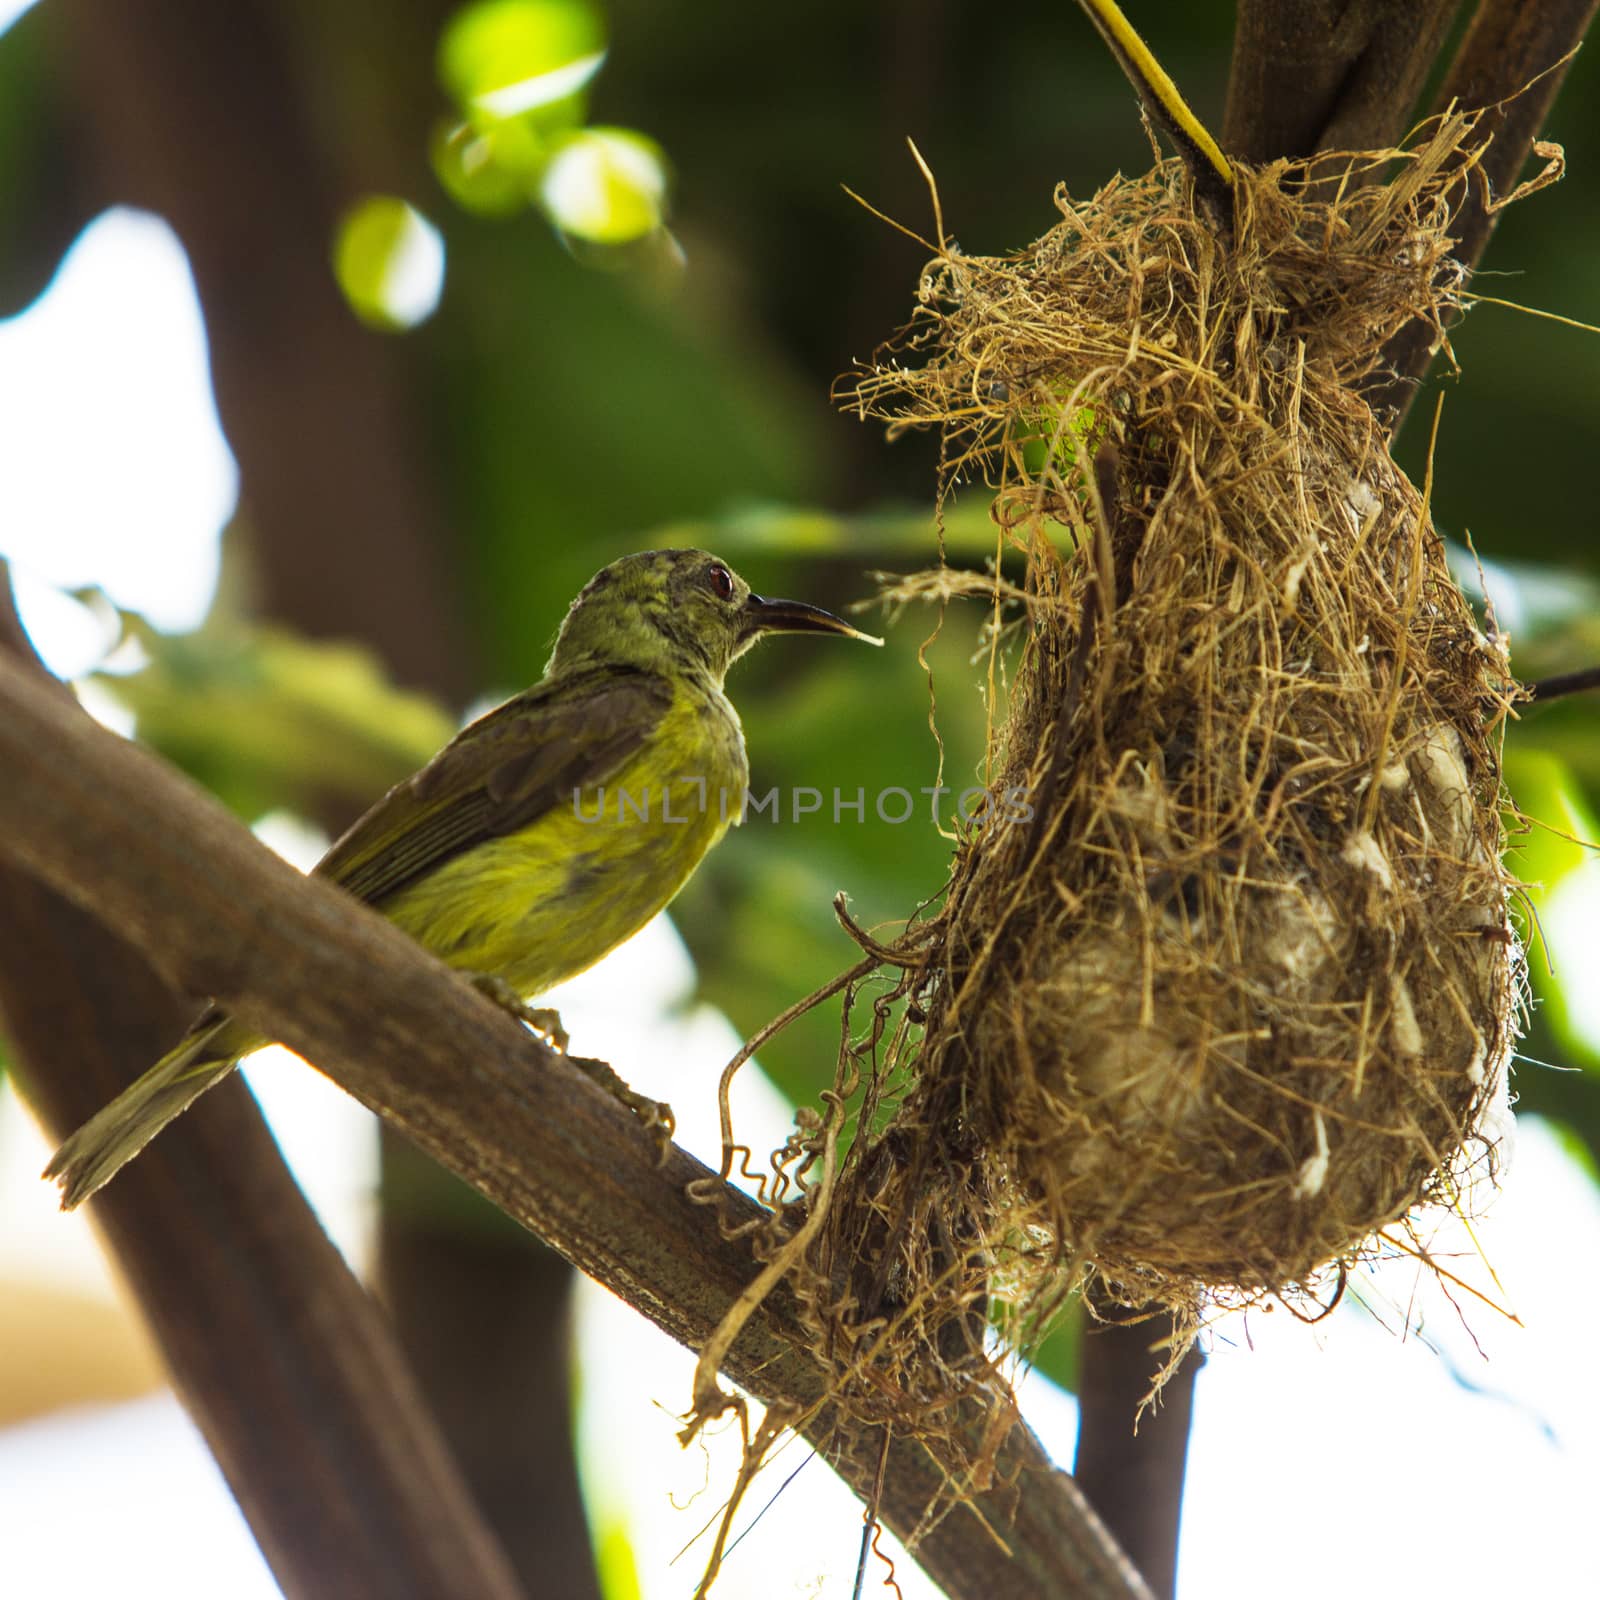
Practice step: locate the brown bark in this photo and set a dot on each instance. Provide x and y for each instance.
(1509, 45)
(1134, 1479)
(483, 1312)
(280, 1356)
(1311, 75)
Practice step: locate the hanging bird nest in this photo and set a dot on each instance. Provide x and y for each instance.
(1225, 983)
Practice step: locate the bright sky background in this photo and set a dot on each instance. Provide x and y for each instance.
(1325, 1461)
(113, 468)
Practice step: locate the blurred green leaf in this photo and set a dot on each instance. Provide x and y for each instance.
(506, 58)
(487, 170)
(1566, 731)
(615, 1564)
(44, 198)
(389, 261)
(266, 719)
(1059, 1354)
(605, 185)
(1552, 855)
(1578, 1147)
(575, 416)
(899, 536)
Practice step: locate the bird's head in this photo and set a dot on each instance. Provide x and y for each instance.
(678, 610)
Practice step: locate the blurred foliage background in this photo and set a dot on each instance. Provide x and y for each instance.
(498, 292)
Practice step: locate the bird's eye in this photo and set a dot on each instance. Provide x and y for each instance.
(721, 581)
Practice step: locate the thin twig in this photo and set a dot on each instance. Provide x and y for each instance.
(1565, 683)
(1165, 106)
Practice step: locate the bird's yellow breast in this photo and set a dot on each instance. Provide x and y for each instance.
(540, 905)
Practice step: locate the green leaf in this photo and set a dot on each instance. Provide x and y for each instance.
(47, 195)
(1554, 858)
(488, 170)
(891, 534)
(1059, 1354)
(605, 185)
(1577, 1147)
(266, 719)
(506, 58)
(389, 260)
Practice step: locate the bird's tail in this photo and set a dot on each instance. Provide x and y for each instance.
(115, 1135)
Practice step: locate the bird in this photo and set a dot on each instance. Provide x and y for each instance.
(544, 834)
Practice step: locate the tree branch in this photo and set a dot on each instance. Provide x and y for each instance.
(1135, 1480)
(1311, 75)
(109, 826)
(483, 1312)
(1506, 48)
(283, 1360)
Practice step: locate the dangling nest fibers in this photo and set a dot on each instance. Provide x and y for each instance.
(1242, 989)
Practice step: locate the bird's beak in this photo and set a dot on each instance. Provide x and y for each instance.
(794, 616)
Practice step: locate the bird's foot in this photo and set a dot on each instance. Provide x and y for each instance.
(547, 1020)
(542, 1019)
(655, 1116)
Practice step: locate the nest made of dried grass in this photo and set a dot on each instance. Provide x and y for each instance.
(1241, 989)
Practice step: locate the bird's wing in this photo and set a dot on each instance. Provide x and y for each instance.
(501, 773)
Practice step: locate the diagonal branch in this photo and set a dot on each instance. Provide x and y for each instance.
(107, 825)
(286, 1364)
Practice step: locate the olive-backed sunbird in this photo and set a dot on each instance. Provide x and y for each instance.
(543, 834)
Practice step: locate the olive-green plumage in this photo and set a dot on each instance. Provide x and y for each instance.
(545, 833)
